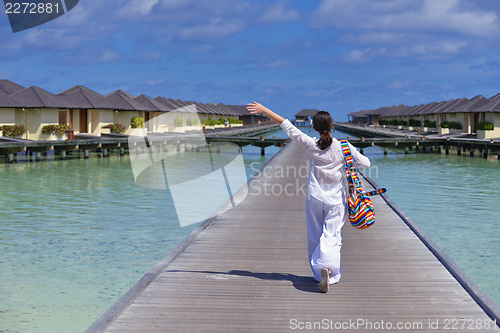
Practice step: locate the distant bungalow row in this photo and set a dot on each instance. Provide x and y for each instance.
(478, 115)
(86, 111)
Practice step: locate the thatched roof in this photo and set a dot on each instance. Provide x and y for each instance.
(493, 106)
(35, 97)
(8, 87)
(85, 98)
(124, 101)
(150, 102)
(472, 105)
(307, 113)
(8, 102)
(452, 105)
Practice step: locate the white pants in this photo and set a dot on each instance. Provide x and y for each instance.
(324, 235)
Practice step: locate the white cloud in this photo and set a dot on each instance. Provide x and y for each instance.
(134, 9)
(436, 16)
(374, 38)
(215, 29)
(109, 55)
(279, 13)
(362, 56)
(280, 64)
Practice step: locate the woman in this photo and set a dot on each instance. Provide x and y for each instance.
(326, 203)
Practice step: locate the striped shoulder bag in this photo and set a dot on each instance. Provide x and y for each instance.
(361, 212)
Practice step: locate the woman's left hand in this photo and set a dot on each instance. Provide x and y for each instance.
(256, 108)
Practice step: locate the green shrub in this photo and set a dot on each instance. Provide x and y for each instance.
(382, 122)
(116, 128)
(210, 122)
(137, 122)
(393, 122)
(220, 121)
(13, 130)
(402, 123)
(55, 129)
(454, 125)
(193, 122)
(179, 122)
(428, 123)
(414, 123)
(445, 124)
(484, 125)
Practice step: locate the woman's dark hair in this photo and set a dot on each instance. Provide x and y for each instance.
(323, 123)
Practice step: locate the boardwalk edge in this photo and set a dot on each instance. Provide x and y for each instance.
(101, 324)
(479, 296)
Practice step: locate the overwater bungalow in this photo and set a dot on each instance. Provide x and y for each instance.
(154, 121)
(243, 114)
(7, 104)
(305, 115)
(466, 115)
(91, 111)
(36, 107)
(467, 112)
(490, 112)
(127, 108)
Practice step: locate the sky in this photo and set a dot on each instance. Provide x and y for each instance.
(335, 55)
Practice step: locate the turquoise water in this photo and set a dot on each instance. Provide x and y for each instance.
(455, 200)
(75, 235)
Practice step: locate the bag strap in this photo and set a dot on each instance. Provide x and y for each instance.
(352, 172)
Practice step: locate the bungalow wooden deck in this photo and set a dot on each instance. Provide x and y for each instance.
(247, 271)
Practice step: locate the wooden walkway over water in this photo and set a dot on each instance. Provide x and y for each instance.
(247, 271)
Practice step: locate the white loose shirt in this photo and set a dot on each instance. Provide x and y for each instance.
(326, 167)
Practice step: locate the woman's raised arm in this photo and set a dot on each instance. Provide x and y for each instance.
(256, 108)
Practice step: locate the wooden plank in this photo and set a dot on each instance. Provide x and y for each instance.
(248, 271)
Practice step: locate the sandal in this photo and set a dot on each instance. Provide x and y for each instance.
(324, 285)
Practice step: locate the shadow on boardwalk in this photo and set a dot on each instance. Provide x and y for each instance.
(302, 283)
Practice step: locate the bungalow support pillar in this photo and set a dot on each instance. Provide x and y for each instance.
(63, 155)
(122, 151)
(38, 157)
(262, 151)
(10, 158)
(485, 154)
(104, 152)
(407, 150)
(469, 127)
(459, 150)
(471, 152)
(86, 153)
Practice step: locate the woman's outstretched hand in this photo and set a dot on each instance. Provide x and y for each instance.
(256, 108)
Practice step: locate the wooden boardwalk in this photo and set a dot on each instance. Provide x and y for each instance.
(248, 272)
